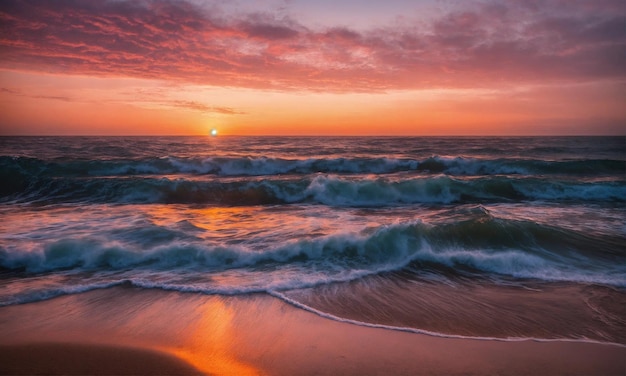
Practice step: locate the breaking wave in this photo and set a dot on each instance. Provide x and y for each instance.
(519, 249)
(263, 166)
(330, 190)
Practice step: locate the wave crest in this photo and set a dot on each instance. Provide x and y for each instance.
(267, 166)
(321, 189)
(516, 248)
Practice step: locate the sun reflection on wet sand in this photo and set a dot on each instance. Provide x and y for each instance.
(209, 345)
(197, 329)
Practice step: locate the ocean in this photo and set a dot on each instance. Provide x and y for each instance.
(503, 238)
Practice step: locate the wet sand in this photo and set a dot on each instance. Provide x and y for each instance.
(130, 328)
(539, 310)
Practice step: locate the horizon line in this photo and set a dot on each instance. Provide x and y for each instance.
(314, 135)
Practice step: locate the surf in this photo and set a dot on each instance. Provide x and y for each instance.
(332, 190)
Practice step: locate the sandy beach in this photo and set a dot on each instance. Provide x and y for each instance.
(126, 330)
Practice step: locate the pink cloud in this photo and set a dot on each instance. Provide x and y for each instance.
(480, 45)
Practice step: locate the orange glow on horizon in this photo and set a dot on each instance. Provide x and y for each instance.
(79, 108)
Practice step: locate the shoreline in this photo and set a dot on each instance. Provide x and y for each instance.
(407, 329)
(259, 335)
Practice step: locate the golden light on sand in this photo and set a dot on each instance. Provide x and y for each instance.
(210, 347)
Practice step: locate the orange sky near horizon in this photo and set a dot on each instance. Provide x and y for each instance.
(427, 68)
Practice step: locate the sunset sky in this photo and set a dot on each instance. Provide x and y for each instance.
(290, 67)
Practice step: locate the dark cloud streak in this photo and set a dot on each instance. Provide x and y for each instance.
(19, 93)
(201, 107)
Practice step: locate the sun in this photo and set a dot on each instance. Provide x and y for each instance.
(213, 132)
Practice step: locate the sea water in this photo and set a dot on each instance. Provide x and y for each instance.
(499, 237)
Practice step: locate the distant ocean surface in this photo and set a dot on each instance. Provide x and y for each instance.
(500, 238)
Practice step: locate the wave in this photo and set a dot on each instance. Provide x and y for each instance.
(17, 167)
(485, 245)
(333, 190)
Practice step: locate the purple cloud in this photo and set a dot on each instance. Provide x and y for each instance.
(483, 44)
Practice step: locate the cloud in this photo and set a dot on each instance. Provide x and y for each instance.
(201, 107)
(9, 91)
(264, 26)
(19, 93)
(477, 44)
